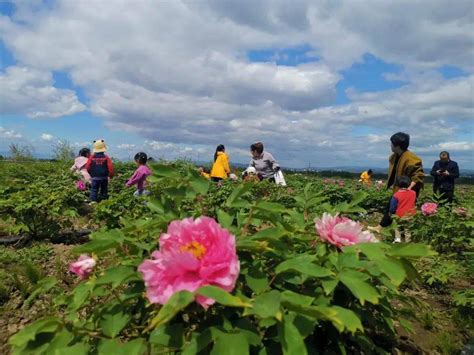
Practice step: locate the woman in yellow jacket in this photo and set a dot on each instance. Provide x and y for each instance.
(220, 168)
(366, 177)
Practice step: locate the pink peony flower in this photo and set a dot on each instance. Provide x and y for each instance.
(341, 231)
(80, 185)
(341, 183)
(83, 266)
(429, 208)
(193, 253)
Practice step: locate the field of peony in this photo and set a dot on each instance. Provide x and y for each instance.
(233, 268)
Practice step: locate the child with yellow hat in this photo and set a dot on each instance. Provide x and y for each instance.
(100, 168)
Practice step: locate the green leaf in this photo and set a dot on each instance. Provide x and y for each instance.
(358, 197)
(118, 275)
(270, 207)
(355, 282)
(267, 305)
(230, 344)
(46, 325)
(42, 287)
(113, 346)
(80, 295)
(237, 193)
(176, 303)
(329, 286)
(257, 280)
(156, 205)
(303, 264)
(170, 336)
(225, 219)
(411, 250)
(269, 233)
(200, 185)
(164, 170)
(296, 298)
(347, 319)
(222, 297)
(113, 321)
(291, 340)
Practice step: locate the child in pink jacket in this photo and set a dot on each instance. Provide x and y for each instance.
(80, 164)
(139, 176)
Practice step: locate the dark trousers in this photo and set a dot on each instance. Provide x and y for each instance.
(216, 179)
(99, 190)
(387, 219)
(447, 195)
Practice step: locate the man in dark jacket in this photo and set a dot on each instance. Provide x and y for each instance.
(445, 171)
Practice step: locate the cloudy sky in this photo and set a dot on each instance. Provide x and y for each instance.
(323, 83)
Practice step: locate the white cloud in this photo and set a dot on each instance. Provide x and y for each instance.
(126, 146)
(9, 134)
(29, 91)
(177, 73)
(47, 137)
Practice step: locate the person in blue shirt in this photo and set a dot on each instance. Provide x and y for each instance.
(444, 172)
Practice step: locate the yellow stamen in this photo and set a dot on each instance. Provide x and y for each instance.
(194, 248)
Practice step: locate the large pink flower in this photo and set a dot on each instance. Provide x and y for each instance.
(341, 231)
(193, 253)
(429, 208)
(83, 266)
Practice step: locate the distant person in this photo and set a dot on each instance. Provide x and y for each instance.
(402, 162)
(445, 171)
(220, 169)
(140, 175)
(100, 168)
(366, 177)
(80, 164)
(263, 162)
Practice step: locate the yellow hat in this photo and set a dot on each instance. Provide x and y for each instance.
(99, 146)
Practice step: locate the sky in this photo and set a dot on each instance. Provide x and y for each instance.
(321, 83)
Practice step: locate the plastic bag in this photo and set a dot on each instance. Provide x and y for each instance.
(279, 178)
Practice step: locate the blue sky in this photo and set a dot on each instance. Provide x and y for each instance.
(327, 96)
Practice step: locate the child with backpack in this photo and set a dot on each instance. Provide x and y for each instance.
(140, 175)
(100, 168)
(80, 164)
(403, 201)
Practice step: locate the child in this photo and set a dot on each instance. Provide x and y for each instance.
(100, 169)
(403, 201)
(139, 176)
(366, 177)
(220, 169)
(80, 164)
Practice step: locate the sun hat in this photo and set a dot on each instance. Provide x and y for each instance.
(251, 170)
(99, 146)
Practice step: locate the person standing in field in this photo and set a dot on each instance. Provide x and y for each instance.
(140, 175)
(100, 168)
(402, 162)
(366, 177)
(220, 169)
(263, 162)
(80, 164)
(444, 172)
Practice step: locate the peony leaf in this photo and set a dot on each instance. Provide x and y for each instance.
(412, 250)
(230, 344)
(303, 264)
(267, 305)
(355, 282)
(113, 321)
(291, 340)
(222, 297)
(176, 303)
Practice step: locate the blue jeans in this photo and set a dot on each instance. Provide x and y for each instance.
(99, 190)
